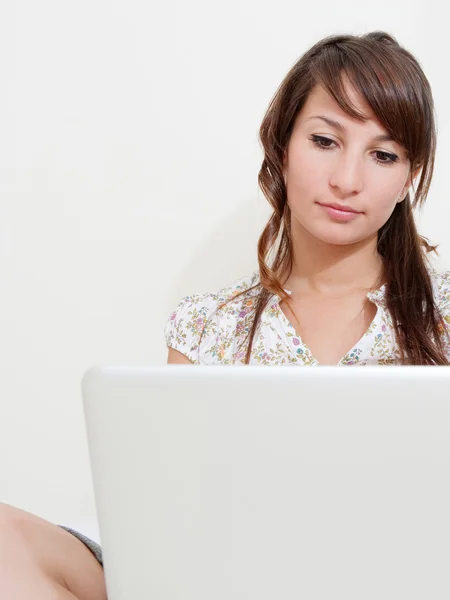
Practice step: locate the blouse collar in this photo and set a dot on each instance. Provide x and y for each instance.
(378, 296)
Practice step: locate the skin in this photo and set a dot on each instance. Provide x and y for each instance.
(176, 358)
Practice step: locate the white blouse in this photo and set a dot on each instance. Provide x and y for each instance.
(276, 341)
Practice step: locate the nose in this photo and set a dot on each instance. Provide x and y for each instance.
(347, 175)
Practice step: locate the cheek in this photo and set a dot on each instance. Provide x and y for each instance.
(306, 179)
(382, 203)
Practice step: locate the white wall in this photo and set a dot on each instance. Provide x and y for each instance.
(128, 178)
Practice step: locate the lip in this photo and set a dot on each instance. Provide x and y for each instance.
(337, 212)
(340, 207)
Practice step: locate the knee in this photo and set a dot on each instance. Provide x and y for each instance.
(8, 513)
(22, 559)
(21, 534)
(32, 535)
(13, 522)
(16, 544)
(49, 551)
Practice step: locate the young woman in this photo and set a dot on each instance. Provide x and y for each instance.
(344, 278)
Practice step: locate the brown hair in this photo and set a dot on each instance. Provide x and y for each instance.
(393, 84)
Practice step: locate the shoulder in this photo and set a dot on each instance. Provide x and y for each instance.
(440, 281)
(201, 323)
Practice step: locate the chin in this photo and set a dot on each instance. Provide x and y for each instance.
(339, 242)
(338, 238)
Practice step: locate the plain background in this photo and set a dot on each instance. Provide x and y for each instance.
(129, 157)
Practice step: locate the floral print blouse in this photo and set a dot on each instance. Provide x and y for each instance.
(276, 341)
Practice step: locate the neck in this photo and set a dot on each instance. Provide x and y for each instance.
(331, 269)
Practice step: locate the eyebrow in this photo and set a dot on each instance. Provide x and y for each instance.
(383, 137)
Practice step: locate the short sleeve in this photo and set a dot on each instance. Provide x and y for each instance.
(207, 328)
(190, 325)
(441, 289)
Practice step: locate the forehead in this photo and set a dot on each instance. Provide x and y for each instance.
(320, 102)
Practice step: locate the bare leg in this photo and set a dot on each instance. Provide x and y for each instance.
(40, 560)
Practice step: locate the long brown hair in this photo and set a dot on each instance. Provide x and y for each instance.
(393, 84)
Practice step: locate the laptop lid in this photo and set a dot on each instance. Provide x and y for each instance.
(261, 483)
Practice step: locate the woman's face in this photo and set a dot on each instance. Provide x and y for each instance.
(350, 168)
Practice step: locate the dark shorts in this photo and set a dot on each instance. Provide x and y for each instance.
(93, 546)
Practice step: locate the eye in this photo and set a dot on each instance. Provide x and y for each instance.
(319, 141)
(391, 158)
(383, 158)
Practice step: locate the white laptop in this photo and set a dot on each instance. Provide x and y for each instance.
(271, 483)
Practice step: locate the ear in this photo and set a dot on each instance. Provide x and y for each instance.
(416, 172)
(407, 185)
